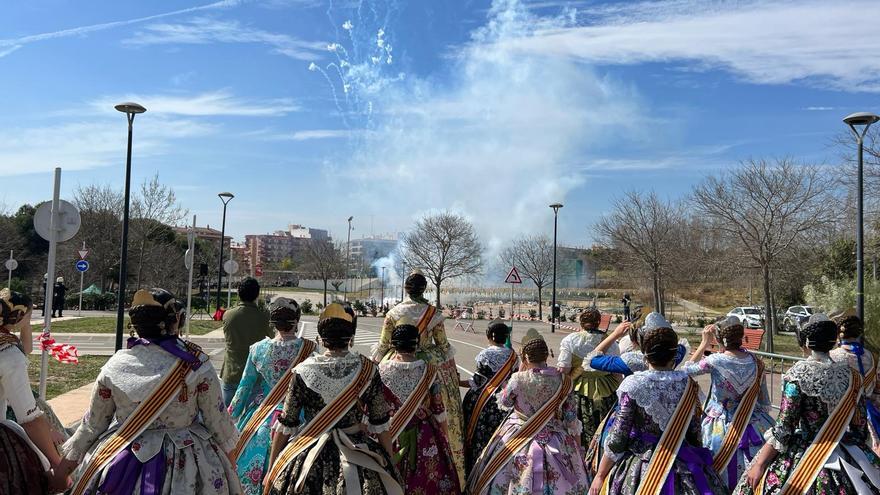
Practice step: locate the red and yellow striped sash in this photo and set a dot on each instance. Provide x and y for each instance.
(826, 441)
(323, 421)
(491, 387)
(403, 415)
(479, 481)
(426, 318)
(741, 419)
(143, 416)
(670, 442)
(276, 395)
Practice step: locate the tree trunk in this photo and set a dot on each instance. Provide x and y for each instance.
(540, 306)
(662, 293)
(768, 309)
(656, 289)
(437, 299)
(325, 292)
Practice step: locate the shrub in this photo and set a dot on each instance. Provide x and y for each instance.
(533, 313)
(832, 296)
(306, 307)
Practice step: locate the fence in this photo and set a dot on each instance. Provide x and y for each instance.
(774, 362)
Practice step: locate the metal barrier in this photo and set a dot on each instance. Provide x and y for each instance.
(773, 362)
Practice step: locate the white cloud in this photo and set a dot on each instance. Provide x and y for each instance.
(207, 30)
(83, 30)
(6, 51)
(825, 44)
(201, 105)
(819, 109)
(320, 134)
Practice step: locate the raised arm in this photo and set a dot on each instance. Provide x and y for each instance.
(707, 340)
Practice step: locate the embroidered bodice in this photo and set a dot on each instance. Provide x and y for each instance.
(489, 361)
(268, 361)
(576, 346)
(731, 378)
(527, 391)
(656, 392)
(432, 341)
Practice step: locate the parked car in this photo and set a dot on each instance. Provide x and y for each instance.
(795, 318)
(750, 316)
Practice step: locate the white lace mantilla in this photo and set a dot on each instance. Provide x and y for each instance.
(657, 392)
(634, 360)
(328, 375)
(494, 357)
(401, 378)
(738, 371)
(824, 379)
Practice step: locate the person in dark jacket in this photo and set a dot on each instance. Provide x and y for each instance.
(58, 293)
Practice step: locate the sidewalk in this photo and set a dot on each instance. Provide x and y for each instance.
(71, 406)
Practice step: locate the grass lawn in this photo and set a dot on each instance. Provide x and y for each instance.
(99, 324)
(65, 377)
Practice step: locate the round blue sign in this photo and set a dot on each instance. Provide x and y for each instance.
(82, 265)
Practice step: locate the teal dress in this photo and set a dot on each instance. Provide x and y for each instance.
(267, 362)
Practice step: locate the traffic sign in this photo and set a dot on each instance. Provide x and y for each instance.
(83, 253)
(69, 221)
(82, 265)
(230, 267)
(513, 277)
(11, 264)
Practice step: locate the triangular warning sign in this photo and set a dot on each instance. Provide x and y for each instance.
(83, 253)
(513, 277)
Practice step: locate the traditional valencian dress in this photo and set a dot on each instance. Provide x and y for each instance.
(22, 467)
(433, 348)
(732, 379)
(594, 389)
(425, 460)
(647, 401)
(268, 361)
(861, 360)
(183, 450)
(344, 453)
(489, 361)
(811, 390)
(553, 461)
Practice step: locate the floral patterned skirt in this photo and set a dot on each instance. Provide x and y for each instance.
(21, 471)
(591, 412)
(714, 428)
(198, 467)
(490, 419)
(830, 481)
(552, 463)
(252, 463)
(424, 459)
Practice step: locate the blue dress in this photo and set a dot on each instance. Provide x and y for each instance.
(267, 362)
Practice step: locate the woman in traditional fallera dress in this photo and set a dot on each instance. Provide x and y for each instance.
(852, 350)
(185, 448)
(433, 348)
(648, 401)
(594, 389)
(268, 361)
(733, 374)
(551, 461)
(328, 398)
(813, 391)
(27, 452)
(424, 459)
(489, 361)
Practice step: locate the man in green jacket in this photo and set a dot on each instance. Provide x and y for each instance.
(243, 325)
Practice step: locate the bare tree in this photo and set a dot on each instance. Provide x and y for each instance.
(645, 229)
(533, 256)
(101, 210)
(445, 246)
(154, 210)
(325, 261)
(768, 208)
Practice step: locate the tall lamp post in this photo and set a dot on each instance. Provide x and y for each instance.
(861, 120)
(556, 207)
(382, 302)
(225, 197)
(130, 110)
(348, 259)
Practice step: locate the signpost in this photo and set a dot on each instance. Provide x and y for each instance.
(10, 264)
(189, 261)
(231, 268)
(56, 221)
(82, 266)
(513, 278)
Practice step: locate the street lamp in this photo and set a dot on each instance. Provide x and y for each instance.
(556, 207)
(130, 110)
(382, 303)
(864, 120)
(225, 197)
(348, 259)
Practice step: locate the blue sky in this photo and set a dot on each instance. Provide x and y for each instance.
(311, 111)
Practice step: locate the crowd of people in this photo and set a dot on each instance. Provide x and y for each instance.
(619, 413)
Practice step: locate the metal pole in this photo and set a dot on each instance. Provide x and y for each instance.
(79, 309)
(860, 236)
(553, 306)
(192, 264)
(220, 269)
(123, 259)
(511, 309)
(402, 280)
(50, 271)
(229, 290)
(9, 283)
(382, 302)
(347, 261)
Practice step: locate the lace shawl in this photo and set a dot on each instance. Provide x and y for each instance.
(657, 392)
(493, 357)
(635, 361)
(580, 345)
(137, 371)
(738, 372)
(329, 375)
(401, 378)
(823, 379)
